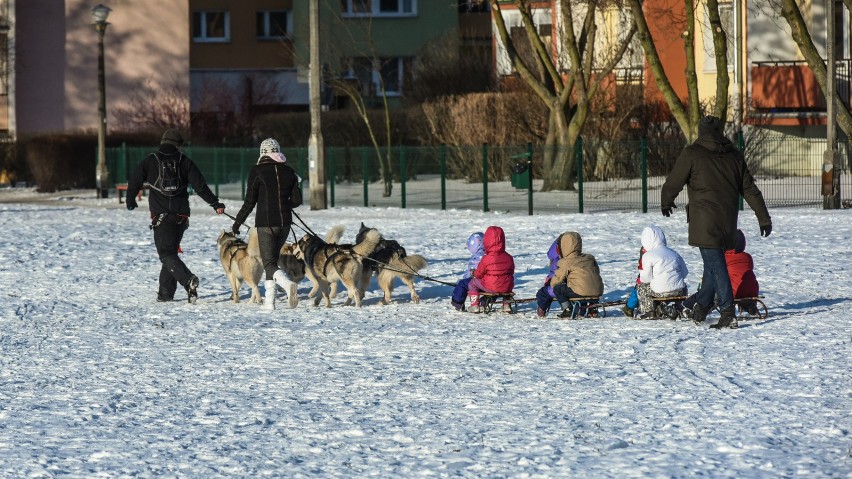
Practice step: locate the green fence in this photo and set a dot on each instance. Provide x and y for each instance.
(605, 176)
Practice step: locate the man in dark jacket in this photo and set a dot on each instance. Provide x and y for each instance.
(269, 186)
(168, 173)
(715, 174)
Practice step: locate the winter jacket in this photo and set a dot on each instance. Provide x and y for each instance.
(268, 186)
(662, 266)
(147, 172)
(477, 250)
(715, 175)
(578, 269)
(497, 268)
(741, 269)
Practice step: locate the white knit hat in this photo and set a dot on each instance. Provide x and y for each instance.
(272, 149)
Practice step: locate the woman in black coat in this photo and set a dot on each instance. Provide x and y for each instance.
(269, 186)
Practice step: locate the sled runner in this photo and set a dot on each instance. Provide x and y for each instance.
(750, 308)
(584, 307)
(487, 301)
(670, 307)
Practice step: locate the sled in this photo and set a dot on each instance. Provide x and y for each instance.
(760, 311)
(487, 301)
(584, 307)
(667, 307)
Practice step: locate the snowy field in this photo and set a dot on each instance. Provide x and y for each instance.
(97, 379)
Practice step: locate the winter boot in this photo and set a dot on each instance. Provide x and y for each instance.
(628, 311)
(699, 313)
(507, 307)
(474, 304)
(269, 295)
(727, 320)
(192, 289)
(540, 312)
(567, 310)
(290, 287)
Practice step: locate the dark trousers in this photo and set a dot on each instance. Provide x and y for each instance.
(715, 281)
(543, 298)
(460, 292)
(270, 239)
(563, 293)
(167, 237)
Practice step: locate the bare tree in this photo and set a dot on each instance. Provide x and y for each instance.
(152, 107)
(686, 115)
(566, 80)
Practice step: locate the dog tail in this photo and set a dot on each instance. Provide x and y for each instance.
(368, 244)
(253, 245)
(411, 263)
(334, 234)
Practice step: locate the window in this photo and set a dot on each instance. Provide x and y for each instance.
(726, 14)
(274, 24)
(378, 8)
(371, 76)
(211, 26)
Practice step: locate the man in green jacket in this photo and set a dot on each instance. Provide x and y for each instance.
(716, 175)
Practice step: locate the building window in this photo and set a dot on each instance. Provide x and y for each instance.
(371, 76)
(211, 26)
(378, 8)
(274, 24)
(726, 14)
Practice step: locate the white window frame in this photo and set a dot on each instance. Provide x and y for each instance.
(709, 53)
(268, 33)
(375, 76)
(203, 37)
(347, 9)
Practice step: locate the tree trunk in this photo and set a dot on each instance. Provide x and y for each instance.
(561, 175)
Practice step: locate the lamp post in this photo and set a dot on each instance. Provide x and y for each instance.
(99, 16)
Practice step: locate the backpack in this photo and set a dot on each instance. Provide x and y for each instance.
(168, 180)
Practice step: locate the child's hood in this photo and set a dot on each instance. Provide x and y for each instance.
(495, 240)
(475, 244)
(570, 242)
(653, 236)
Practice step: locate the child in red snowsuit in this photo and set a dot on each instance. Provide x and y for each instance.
(495, 272)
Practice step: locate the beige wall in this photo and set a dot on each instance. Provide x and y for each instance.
(57, 58)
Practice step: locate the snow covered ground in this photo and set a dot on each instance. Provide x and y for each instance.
(97, 379)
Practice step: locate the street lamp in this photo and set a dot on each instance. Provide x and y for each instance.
(99, 16)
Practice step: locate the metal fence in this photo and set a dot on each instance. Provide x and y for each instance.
(622, 176)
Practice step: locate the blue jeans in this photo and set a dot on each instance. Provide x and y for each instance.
(715, 281)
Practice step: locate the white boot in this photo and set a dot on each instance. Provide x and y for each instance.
(269, 295)
(288, 286)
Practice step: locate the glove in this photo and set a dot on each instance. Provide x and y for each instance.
(765, 230)
(667, 210)
(236, 229)
(131, 203)
(219, 207)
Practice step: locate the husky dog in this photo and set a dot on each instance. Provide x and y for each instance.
(332, 237)
(328, 263)
(294, 269)
(241, 262)
(388, 261)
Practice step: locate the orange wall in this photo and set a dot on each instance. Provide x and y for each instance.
(244, 50)
(667, 23)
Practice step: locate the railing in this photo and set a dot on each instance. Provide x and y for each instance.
(607, 176)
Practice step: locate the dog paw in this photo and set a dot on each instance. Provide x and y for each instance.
(415, 299)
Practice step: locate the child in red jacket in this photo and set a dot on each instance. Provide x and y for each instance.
(741, 271)
(496, 270)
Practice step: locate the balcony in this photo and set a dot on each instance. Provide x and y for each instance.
(789, 90)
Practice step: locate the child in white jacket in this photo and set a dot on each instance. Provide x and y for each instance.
(663, 271)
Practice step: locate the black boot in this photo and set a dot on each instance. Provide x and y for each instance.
(699, 313)
(728, 319)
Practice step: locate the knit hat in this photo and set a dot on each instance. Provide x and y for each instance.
(270, 148)
(709, 124)
(172, 137)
